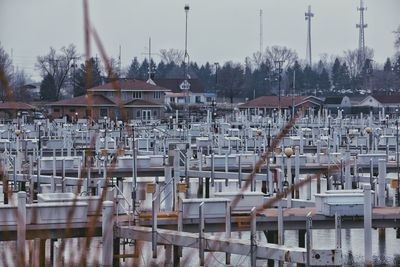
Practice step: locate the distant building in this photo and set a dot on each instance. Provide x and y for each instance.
(267, 105)
(10, 109)
(137, 99)
(194, 93)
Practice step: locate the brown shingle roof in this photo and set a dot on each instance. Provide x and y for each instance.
(16, 106)
(272, 102)
(388, 99)
(96, 100)
(141, 103)
(130, 85)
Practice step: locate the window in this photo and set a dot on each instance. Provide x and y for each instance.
(137, 94)
(198, 99)
(103, 112)
(56, 110)
(172, 99)
(71, 110)
(157, 94)
(155, 113)
(138, 114)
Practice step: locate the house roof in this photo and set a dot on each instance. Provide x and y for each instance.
(94, 100)
(333, 100)
(196, 86)
(141, 103)
(16, 106)
(272, 102)
(175, 94)
(388, 99)
(129, 85)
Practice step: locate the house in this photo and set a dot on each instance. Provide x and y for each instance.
(11, 109)
(136, 99)
(334, 103)
(264, 105)
(388, 102)
(192, 92)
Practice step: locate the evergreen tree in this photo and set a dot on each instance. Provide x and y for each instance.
(336, 75)
(388, 66)
(87, 76)
(133, 71)
(48, 88)
(324, 83)
(143, 72)
(345, 80)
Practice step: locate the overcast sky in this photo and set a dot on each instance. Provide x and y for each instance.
(219, 30)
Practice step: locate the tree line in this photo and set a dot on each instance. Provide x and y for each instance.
(276, 70)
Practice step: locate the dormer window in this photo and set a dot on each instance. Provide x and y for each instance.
(157, 94)
(137, 94)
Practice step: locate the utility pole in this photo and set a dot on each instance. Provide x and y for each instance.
(361, 36)
(261, 32)
(279, 69)
(185, 86)
(308, 16)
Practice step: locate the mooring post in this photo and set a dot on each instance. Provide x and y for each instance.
(154, 212)
(296, 169)
(338, 231)
(347, 175)
(381, 182)
(168, 188)
(240, 171)
(367, 225)
(107, 234)
(228, 229)
(281, 234)
(201, 233)
(253, 236)
(308, 238)
(21, 230)
(212, 169)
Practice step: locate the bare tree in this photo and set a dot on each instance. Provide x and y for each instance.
(5, 73)
(58, 65)
(275, 53)
(397, 38)
(18, 85)
(172, 55)
(351, 59)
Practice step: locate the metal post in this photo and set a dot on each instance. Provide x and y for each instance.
(201, 234)
(21, 230)
(381, 182)
(347, 175)
(338, 230)
(240, 172)
(367, 225)
(154, 212)
(281, 234)
(228, 230)
(308, 238)
(253, 236)
(107, 234)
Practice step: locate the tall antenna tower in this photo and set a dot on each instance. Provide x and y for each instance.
(261, 31)
(361, 36)
(308, 16)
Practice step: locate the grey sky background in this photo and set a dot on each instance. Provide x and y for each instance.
(219, 30)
